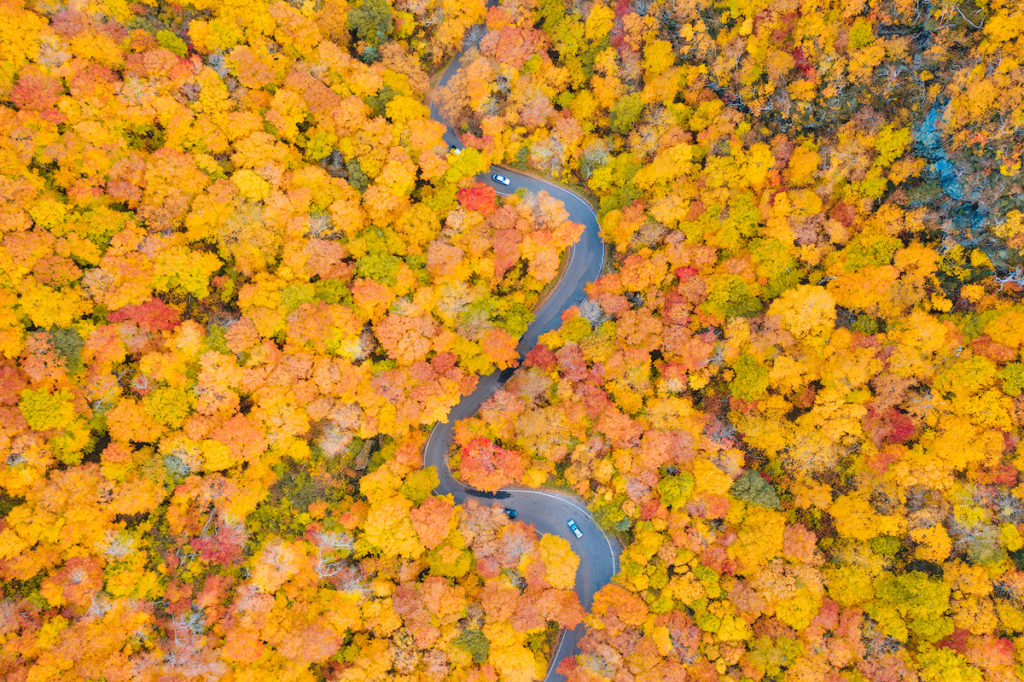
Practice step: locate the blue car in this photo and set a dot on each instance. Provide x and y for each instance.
(575, 529)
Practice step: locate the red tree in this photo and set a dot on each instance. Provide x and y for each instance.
(487, 466)
(479, 197)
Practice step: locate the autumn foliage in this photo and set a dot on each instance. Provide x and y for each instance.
(237, 282)
(242, 274)
(486, 466)
(795, 395)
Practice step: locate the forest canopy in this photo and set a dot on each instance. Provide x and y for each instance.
(243, 273)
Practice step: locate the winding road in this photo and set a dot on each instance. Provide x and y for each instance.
(548, 511)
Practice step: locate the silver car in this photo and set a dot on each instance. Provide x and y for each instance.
(574, 528)
(501, 178)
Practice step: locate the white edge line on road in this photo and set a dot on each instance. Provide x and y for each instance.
(567, 500)
(572, 253)
(583, 510)
(563, 497)
(555, 658)
(572, 247)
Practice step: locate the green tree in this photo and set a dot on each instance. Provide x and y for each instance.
(372, 21)
(676, 490)
(751, 487)
(751, 380)
(912, 604)
(625, 112)
(476, 643)
(419, 484)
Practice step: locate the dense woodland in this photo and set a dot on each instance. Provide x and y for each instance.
(241, 275)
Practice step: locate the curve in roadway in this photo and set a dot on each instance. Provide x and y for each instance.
(547, 510)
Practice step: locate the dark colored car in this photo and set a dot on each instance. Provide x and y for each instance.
(511, 513)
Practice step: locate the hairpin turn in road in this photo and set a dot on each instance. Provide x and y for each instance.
(548, 511)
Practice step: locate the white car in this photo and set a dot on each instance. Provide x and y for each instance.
(454, 150)
(501, 178)
(574, 528)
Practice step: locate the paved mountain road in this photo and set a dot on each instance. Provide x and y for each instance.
(546, 510)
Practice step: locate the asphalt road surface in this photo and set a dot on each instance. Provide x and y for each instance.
(547, 510)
